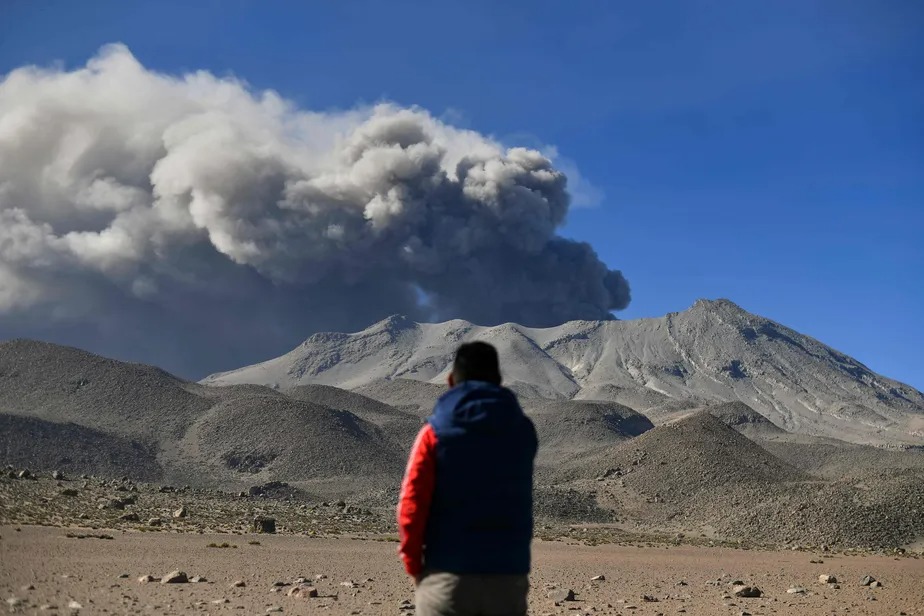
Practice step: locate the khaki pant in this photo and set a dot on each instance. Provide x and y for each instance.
(448, 594)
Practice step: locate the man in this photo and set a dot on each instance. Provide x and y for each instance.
(465, 513)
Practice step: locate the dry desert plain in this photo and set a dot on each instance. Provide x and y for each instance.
(46, 571)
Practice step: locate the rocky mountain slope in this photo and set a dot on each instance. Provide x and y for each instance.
(65, 408)
(722, 470)
(698, 474)
(713, 353)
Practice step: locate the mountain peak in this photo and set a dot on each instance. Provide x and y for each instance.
(395, 322)
(717, 304)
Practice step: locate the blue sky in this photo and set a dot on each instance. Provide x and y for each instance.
(767, 152)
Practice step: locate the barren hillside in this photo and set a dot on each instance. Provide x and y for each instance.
(711, 354)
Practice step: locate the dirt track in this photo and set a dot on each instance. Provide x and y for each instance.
(87, 571)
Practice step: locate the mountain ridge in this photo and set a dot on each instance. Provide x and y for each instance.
(712, 353)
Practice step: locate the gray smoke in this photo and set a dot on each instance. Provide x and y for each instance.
(191, 222)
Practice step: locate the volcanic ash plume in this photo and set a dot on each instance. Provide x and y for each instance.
(187, 219)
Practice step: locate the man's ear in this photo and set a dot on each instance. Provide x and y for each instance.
(451, 380)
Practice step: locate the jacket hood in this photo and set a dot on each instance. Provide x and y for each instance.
(476, 405)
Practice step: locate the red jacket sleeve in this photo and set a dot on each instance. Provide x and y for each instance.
(414, 502)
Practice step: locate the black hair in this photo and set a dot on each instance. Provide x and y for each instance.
(476, 361)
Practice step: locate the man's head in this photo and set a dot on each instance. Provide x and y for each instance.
(475, 361)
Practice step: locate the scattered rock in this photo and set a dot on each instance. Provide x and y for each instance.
(14, 602)
(239, 584)
(649, 599)
(263, 524)
(197, 580)
(182, 512)
(73, 605)
(220, 601)
(303, 592)
(24, 474)
(564, 594)
(748, 592)
(827, 579)
(129, 517)
(796, 590)
(112, 503)
(155, 522)
(123, 576)
(273, 609)
(58, 475)
(175, 577)
(146, 579)
(598, 578)
(867, 580)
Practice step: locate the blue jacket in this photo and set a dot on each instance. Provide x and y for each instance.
(480, 515)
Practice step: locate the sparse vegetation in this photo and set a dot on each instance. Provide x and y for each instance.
(88, 536)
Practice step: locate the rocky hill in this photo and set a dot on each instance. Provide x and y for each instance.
(711, 354)
(68, 409)
(27, 442)
(724, 470)
(568, 427)
(699, 475)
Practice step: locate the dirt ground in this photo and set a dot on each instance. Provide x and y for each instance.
(41, 566)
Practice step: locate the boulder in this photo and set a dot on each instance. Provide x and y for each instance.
(562, 594)
(263, 524)
(303, 592)
(175, 577)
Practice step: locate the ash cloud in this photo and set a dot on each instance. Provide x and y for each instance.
(191, 222)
